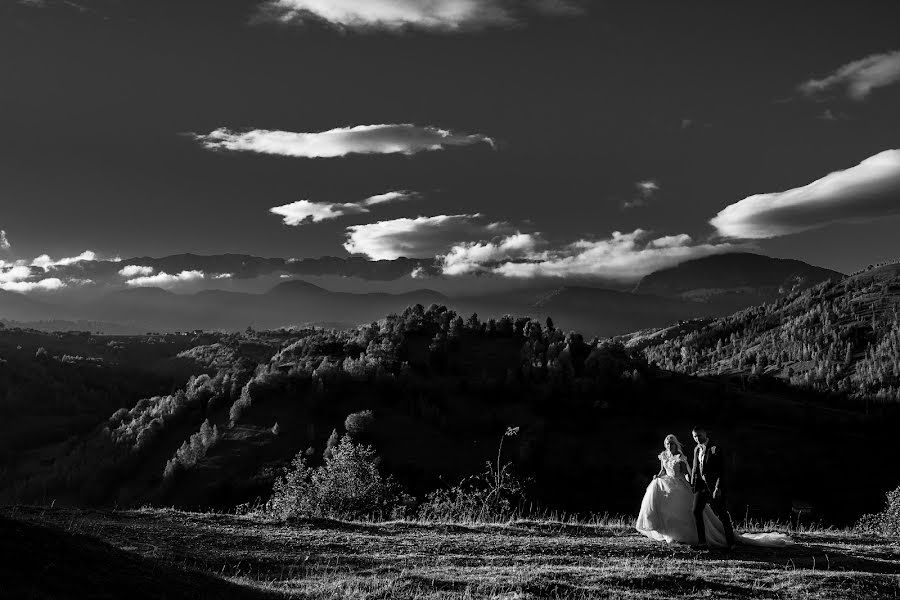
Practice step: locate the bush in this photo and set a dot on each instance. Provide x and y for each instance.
(347, 486)
(886, 522)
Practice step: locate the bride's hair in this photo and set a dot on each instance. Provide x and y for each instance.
(671, 438)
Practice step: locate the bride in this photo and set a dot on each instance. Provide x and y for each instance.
(667, 508)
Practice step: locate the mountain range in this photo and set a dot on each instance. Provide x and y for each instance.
(704, 287)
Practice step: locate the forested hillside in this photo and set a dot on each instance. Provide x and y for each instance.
(433, 392)
(840, 337)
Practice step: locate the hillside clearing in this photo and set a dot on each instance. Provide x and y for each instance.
(327, 559)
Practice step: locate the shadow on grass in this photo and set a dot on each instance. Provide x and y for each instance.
(47, 562)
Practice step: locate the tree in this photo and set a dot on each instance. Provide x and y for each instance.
(359, 423)
(331, 444)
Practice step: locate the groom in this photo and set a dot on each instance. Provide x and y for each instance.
(709, 486)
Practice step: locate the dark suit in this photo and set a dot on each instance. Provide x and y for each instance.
(705, 479)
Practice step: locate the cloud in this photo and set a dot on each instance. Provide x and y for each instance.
(362, 139)
(49, 284)
(163, 279)
(45, 262)
(472, 257)
(645, 191)
(4, 241)
(622, 257)
(830, 115)
(433, 15)
(130, 271)
(27, 276)
(857, 79)
(304, 211)
(17, 277)
(421, 237)
(18, 272)
(394, 196)
(867, 191)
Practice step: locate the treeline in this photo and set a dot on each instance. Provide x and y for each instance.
(431, 366)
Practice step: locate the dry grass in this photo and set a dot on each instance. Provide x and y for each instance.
(561, 558)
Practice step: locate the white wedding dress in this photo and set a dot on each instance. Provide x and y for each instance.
(667, 512)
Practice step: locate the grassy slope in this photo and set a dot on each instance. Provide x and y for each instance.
(404, 560)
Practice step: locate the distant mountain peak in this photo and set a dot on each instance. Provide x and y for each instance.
(742, 273)
(295, 286)
(143, 292)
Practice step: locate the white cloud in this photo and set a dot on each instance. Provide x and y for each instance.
(130, 271)
(163, 279)
(623, 257)
(394, 196)
(857, 79)
(645, 191)
(224, 276)
(472, 257)
(421, 237)
(17, 272)
(304, 211)
(362, 139)
(16, 279)
(48, 284)
(867, 191)
(671, 241)
(4, 241)
(437, 15)
(45, 262)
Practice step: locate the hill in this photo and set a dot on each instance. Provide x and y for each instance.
(841, 336)
(20, 307)
(734, 281)
(205, 555)
(604, 312)
(289, 303)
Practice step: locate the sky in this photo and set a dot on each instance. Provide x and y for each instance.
(526, 140)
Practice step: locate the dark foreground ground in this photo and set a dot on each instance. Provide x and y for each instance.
(63, 553)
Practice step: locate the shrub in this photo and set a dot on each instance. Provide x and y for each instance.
(347, 486)
(886, 522)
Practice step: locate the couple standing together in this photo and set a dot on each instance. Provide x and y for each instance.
(686, 504)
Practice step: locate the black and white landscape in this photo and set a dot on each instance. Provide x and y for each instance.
(427, 299)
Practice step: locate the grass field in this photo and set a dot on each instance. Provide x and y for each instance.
(57, 553)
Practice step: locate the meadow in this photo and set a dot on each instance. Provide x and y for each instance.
(154, 553)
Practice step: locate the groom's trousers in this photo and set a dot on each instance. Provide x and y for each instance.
(702, 497)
